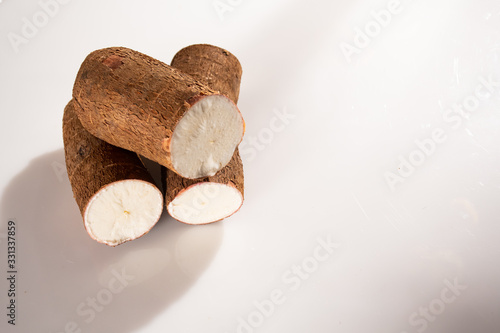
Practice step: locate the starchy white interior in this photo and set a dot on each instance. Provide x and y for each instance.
(205, 138)
(123, 211)
(205, 202)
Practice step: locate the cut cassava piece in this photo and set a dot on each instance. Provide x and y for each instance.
(138, 103)
(212, 198)
(116, 195)
(207, 200)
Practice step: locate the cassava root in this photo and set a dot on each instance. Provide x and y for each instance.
(138, 103)
(117, 197)
(216, 197)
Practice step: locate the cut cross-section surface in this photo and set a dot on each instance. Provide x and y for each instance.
(204, 140)
(204, 203)
(122, 211)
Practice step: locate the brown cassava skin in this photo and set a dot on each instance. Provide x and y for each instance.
(133, 101)
(92, 163)
(221, 71)
(213, 66)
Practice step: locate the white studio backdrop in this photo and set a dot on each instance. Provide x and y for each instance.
(371, 160)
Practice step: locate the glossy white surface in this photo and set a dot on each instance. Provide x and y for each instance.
(322, 242)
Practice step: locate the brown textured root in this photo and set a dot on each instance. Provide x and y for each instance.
(138, 103)
(98, 170)
(190, 201)
(217, 68)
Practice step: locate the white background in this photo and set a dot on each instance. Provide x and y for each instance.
(319, 176)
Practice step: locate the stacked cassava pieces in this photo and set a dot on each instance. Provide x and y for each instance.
(127, 105)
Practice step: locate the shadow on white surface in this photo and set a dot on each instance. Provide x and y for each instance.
(66, 281)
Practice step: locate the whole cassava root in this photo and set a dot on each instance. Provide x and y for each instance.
(141, 104)
(212, 198)
(116, 195)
